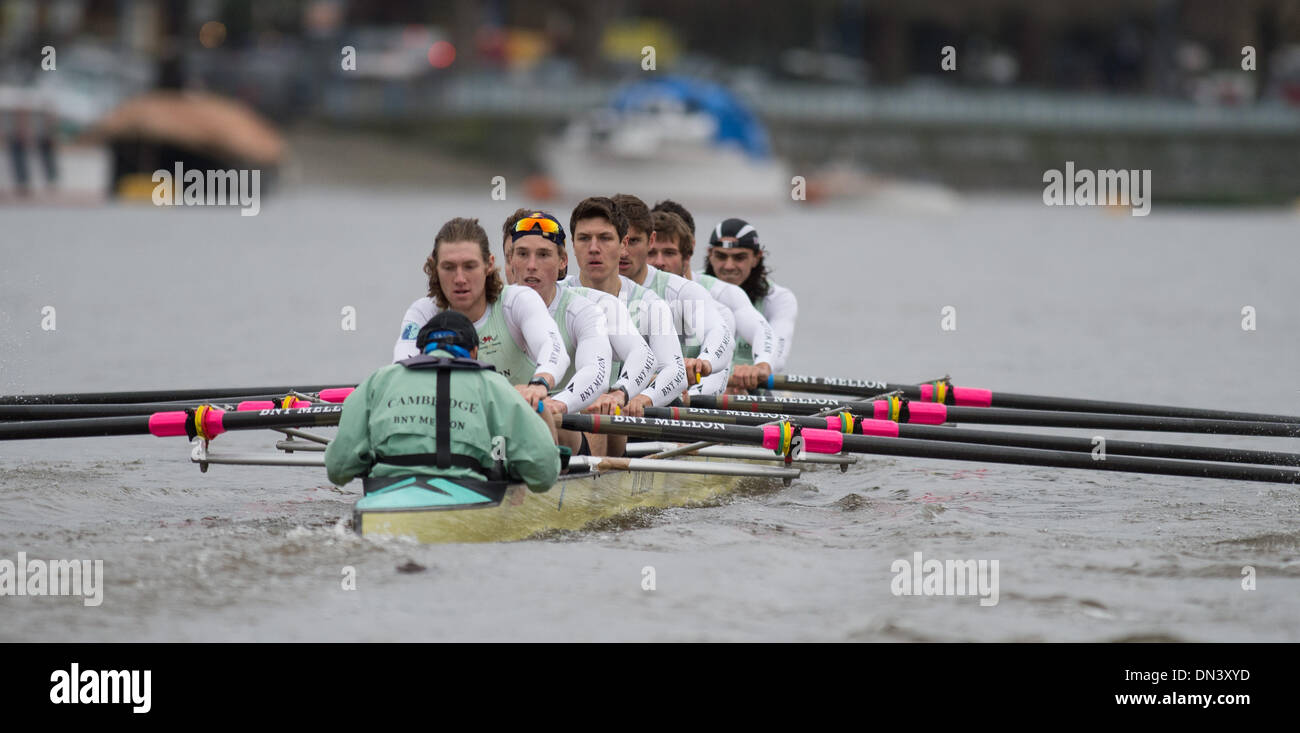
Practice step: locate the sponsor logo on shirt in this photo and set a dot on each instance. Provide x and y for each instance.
(410, 331)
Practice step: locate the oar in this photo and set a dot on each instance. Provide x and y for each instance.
(201, 422)
(827, 441)
(65, 412)
(929, 413)
(701, 445)
(848, 424)
(192, 395)
(943, 392)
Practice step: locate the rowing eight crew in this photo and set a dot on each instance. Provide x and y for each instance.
(633, 328)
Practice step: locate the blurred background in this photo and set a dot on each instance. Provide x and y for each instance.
(374, 122)
(566, 96)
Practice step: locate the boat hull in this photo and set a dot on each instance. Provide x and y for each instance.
(574, 502)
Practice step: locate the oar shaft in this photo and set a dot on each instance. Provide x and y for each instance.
(994, 437)
(784, 405)
(971, 397)
(64, 412)
(1043, 402)
(1092, 420)
(179, 422)
(1057, 459)
(194, 395)
(933, 414)
(732, 417)
(1087, 445)
(659, 429)
(827, 441)
(81, 428)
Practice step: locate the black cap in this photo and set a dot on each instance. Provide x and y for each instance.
(744, 232)
(448, 328)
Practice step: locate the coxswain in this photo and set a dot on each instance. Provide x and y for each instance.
(442, 414)
(516, 333)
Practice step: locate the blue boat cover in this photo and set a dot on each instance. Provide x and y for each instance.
(737, 125)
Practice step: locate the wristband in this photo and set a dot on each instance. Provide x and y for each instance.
(540, 380)
(626, 397)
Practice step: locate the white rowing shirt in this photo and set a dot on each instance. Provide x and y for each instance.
(516, 335)
(751, 328)
(716, 382)
(694, 315)
(654, 321)
(586, 338)
(781, 309)
(634, 362)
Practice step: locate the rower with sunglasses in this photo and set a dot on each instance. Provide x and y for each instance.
(535, 260)
(515, 332)
(635, 364)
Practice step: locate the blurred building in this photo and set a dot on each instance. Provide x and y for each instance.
(849, 80)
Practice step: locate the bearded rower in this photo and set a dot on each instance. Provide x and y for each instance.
(670, 250)
(515, 331)
(735, 256)
(697, 318)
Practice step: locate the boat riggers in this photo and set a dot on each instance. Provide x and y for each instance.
(814, 440)
(942, 391)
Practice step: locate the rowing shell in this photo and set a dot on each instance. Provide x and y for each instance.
(439, 511)
(434, 510)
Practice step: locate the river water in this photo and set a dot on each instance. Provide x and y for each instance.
(1074, 301)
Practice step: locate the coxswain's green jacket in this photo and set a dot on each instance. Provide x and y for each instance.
(393, 413)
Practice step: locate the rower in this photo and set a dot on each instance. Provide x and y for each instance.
(670, 250)
(735, 256)
(516, 333)
(634, 363)
(695, 314)
(442, 414)
(507, 245)
(599, 233)
(534, 262)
